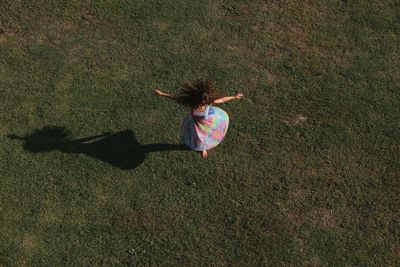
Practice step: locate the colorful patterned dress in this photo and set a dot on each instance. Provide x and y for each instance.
(204, 130)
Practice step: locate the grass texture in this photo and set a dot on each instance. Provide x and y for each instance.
(308, 174)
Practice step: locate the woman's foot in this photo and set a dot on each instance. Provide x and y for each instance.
(204, 154)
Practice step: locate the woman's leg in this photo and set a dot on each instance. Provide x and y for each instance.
(204, 154)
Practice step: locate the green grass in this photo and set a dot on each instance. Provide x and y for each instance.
(308, 174)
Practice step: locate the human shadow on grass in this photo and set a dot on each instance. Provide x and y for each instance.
(119, 149)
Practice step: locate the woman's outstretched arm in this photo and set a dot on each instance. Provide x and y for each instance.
(160, 93)
(228, 98)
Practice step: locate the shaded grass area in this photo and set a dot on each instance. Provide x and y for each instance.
(308, 174)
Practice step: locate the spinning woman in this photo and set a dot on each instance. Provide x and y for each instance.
(206, 125)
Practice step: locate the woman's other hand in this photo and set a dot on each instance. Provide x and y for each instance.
(158, 92)
(239, 95)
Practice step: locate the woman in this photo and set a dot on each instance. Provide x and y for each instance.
(205, 127)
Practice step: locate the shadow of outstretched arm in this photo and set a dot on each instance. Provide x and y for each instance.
(15, 137)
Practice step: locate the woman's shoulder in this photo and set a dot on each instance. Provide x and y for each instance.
(201, 111)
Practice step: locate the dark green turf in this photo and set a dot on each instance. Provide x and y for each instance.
(308, 174)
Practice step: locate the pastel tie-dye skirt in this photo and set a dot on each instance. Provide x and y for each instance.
(204, 130)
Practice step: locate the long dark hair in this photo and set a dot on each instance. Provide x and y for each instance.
(198, 94)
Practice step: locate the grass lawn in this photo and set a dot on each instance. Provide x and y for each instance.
(308, 174)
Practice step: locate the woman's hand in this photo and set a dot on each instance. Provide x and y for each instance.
(158, 92)
(239, 96)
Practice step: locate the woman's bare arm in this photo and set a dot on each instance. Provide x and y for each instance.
(228, 98)
(160, 93)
